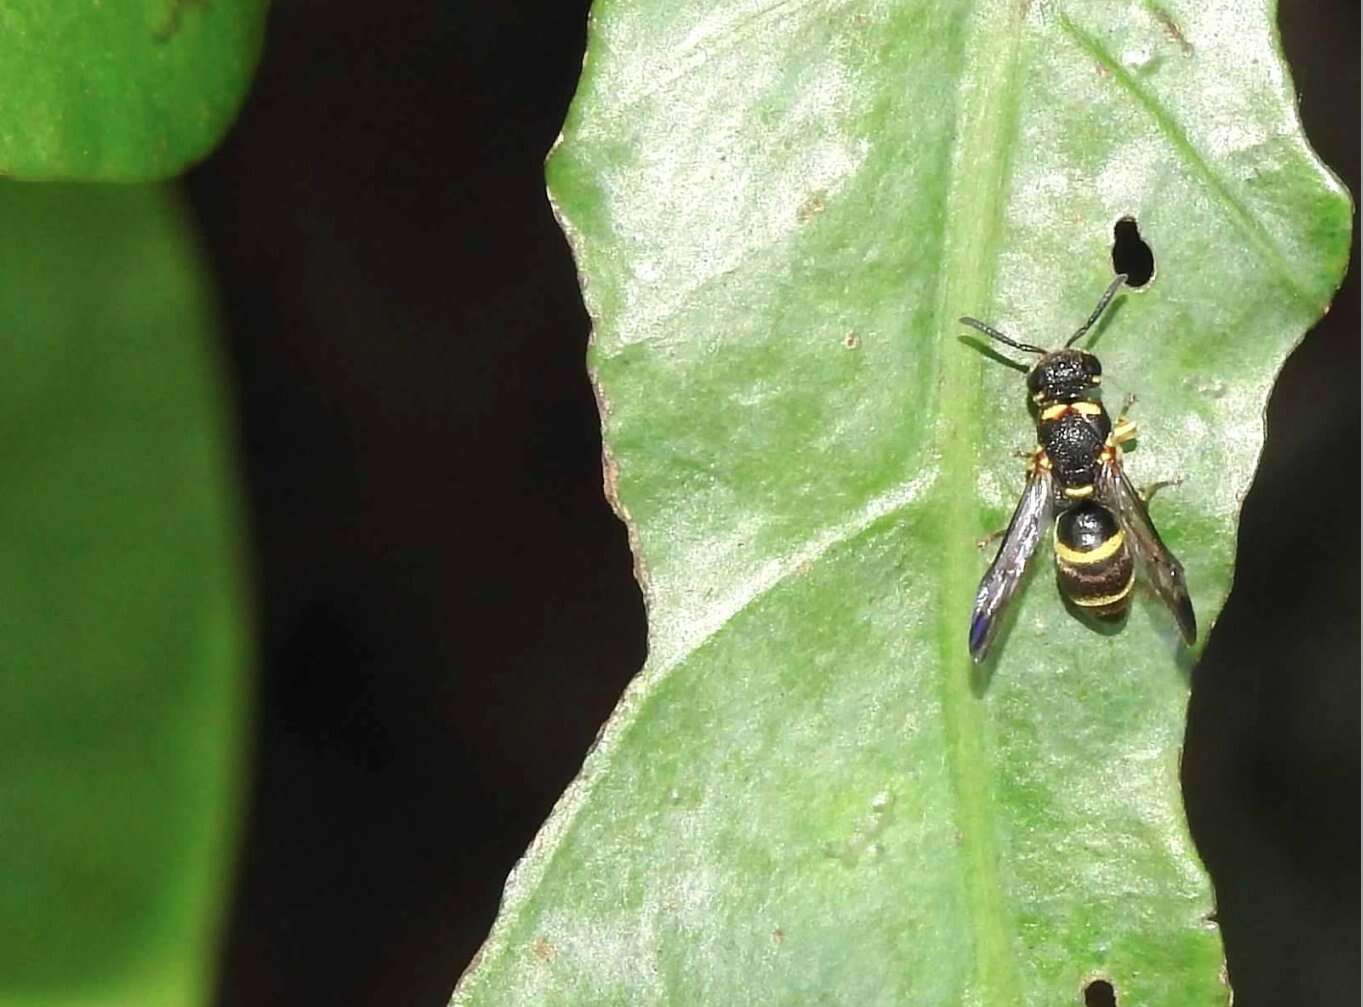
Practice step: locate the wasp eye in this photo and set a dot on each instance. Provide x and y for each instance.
(1036, 380)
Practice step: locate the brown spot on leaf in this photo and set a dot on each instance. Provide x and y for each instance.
(543, 950)
(851, 340)
(1171, 29)
(174, 21)
(610, 480)
(811, 207)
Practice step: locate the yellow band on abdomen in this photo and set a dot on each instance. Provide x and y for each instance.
(1104, 551)
(1106, 599)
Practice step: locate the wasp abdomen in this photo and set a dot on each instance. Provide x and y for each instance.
(1092, 560)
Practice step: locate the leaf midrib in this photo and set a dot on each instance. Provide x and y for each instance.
(986, 116)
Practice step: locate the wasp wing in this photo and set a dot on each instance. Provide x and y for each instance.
(1030, 521)
(1161, 569)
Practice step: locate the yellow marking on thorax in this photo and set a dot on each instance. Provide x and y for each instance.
(1078, 492)
(1077, 558)
(1107, 599)
(1059, 409)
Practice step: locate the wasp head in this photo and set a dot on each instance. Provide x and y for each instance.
(1064, 376)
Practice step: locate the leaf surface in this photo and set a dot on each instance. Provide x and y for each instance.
(779, 210)
(122, 638)
(122, 91)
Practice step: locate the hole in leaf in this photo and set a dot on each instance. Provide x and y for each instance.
(1100, 993)
(1130, 254)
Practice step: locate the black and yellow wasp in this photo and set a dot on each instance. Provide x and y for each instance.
(1102, 531)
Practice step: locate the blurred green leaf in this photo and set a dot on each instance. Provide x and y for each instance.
(120, 91)
(779, 210)
(122, 638)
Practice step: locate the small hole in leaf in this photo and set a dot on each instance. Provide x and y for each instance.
(1130, 254)
(1100, 993)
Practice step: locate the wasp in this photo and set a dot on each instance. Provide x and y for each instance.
(1076, 486)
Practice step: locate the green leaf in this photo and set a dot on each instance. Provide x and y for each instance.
(120, 91)
(122, 638)
(779, 210)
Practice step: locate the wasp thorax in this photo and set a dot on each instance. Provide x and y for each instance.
(1064, 376)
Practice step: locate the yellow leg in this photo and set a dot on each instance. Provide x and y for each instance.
(1148, 492)
(1124, 430)
(993, 536)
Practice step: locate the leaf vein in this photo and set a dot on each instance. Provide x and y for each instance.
(724, 34)
(698, 628)
(1247, 223)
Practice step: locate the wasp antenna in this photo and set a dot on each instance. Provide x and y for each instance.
(1103, 302)
(994, 333)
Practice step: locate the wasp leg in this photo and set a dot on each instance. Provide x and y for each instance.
(1033, 458)
(1148, 492)
(993, 536)
(1124, 429)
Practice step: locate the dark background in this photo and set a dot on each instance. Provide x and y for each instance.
(445, 602)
